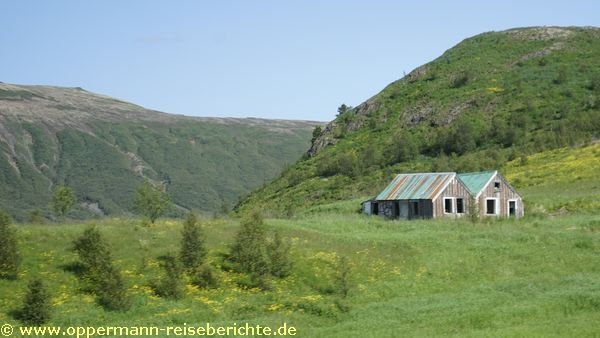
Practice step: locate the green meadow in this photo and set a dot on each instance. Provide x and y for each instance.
(538, 276)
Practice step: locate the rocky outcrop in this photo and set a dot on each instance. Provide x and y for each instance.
(349, 122)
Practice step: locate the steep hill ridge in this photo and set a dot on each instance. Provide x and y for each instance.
(492, 98)
(104, 147)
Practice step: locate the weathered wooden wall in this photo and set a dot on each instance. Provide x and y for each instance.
(455, 189)
(505, 193)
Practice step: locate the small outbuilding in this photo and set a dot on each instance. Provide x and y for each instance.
(446, 194)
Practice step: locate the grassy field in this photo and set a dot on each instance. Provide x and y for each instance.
(539, 276)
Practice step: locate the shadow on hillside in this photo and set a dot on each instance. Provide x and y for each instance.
(75, 268)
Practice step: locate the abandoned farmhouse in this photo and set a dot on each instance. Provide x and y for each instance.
(433, 195)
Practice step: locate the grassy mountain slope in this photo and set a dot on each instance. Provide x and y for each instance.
(490, 99)
(104, 148)
(536, 276)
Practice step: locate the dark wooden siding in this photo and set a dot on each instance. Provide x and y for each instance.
(388, 209)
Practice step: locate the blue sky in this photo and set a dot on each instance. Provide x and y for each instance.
(271, 59)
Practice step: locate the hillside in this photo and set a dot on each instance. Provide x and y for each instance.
(533, 277)
(104, 148)
(492, 98)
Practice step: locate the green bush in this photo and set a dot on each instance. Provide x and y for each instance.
(205, 277)
(249, 250)
(459, 79)
(279, 256)
(36, 305)
(101, 276)
(171, 285)
(151, 202)
(35, 217)
(62, 200)
(94, 256)
(193, 250)
(10, 258)
(112, 291)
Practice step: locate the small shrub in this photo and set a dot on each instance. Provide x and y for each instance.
(171, 285)
(342, 305)
(316, 133)
(112, 292)
(36, 306)
(473, 210)
(459, 79)
(205, 277)
(561, 76)
(279, 256)
(193, 250)
(35, 217)
(10, 258)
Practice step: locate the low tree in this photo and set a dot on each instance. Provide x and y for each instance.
(193, 249)
(151, 202)
(10, 258)
(249, 250)
(94, 256)
(171, 285)
(36, 305)
(63, 200)
(279, 256)
(343, 109)
(401, 147)
(112, 291)
(103, 278)
(316, 133)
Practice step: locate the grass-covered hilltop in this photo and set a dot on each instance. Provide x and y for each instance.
(492, 98)
(104, 148)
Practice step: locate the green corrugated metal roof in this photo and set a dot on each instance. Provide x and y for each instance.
(415, 186)
(476, 181)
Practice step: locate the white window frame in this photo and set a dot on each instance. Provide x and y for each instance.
(516, 207)
(496, 206)
(452, 207)
(464, 203)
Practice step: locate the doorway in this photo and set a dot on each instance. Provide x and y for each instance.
(414, 209)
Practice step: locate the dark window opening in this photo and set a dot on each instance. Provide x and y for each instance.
(512, 208)
(490, 207)
(448, 205)
(497, 185)
(460, 206)
(415, 208)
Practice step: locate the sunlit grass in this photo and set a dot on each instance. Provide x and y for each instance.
(538, 276)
